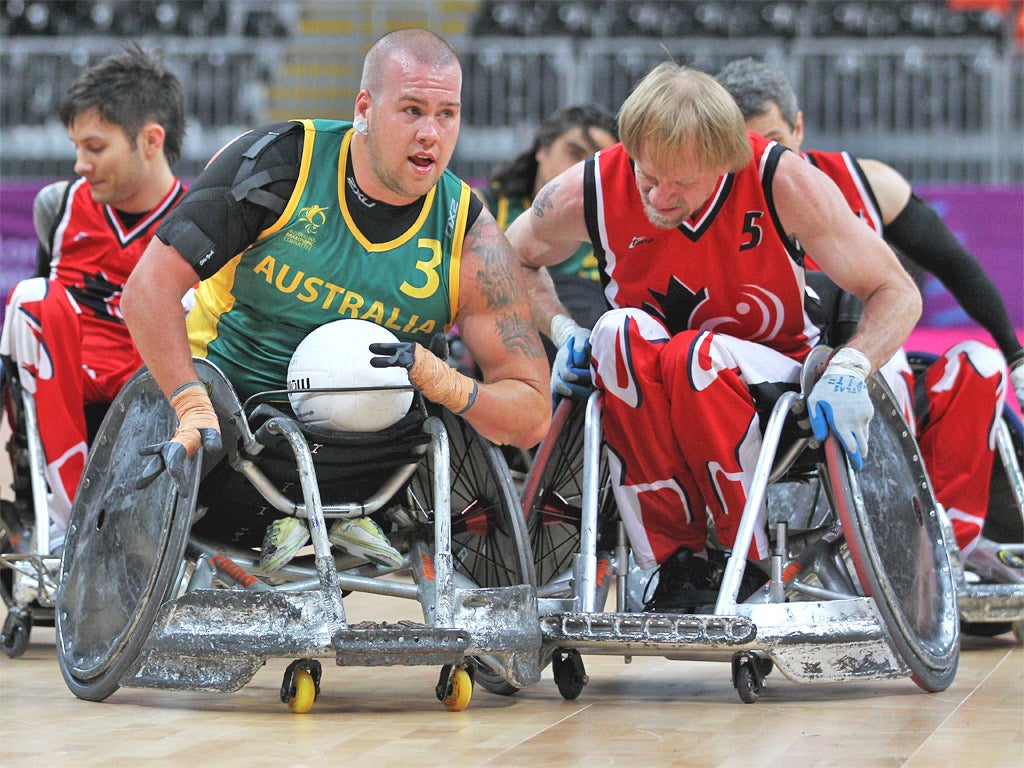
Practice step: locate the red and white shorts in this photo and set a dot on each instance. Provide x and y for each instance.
(65, 359)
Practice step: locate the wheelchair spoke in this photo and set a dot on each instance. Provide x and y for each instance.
(554, 507)
(484, 543)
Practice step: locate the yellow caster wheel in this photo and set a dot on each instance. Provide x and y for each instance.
(301, 685)
(455, 688)
(305, 693)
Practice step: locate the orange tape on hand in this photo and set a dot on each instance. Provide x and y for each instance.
(441, 383)
(195, 414)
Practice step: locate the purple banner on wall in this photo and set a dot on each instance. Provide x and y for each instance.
(989, 221)
(17, 235)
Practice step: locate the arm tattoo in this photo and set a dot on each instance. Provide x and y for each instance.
(495, 276)
(542, 201)
(518, 337)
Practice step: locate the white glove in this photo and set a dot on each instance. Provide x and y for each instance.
(839, 401)
(570, 374)
(1017, 381)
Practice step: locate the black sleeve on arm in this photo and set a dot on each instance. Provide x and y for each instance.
(224, 210)
(923, 237)
(476, 207)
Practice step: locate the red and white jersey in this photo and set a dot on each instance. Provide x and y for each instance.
(730, 268)
(93, 252)
(844, 170)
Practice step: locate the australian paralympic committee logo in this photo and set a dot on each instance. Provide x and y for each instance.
(314, 217)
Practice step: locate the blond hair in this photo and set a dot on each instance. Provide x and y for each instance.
(675, 109)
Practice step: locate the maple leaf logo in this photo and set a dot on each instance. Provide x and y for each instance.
(676, 306)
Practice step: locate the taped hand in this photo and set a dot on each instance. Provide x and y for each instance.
(197, 425)
(428, 371)
(840, 402)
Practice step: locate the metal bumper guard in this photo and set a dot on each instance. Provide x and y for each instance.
(848, 640)
(217, 640)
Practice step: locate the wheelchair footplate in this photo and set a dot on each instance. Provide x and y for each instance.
(809, 641)
(216, 640)
(990, 603)
(634, 631)
(405, 643)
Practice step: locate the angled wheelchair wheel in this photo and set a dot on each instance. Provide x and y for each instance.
(124, 548)
(488, 534)
(489, 543)
(894, 537)
(17, 517)
(6, 574)
(553, 493)
(1005, 519)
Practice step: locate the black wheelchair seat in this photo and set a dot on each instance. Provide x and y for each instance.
(348, 465)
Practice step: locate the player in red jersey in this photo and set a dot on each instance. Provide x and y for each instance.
(959, 398)
(64, 332)
(698, 227)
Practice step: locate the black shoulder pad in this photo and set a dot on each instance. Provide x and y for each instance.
(249, 186)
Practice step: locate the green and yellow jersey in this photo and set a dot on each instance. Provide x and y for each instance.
(314, 265)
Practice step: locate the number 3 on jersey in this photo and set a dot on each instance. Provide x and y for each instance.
(428, 268)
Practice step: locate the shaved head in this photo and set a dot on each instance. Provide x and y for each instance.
(418, 44)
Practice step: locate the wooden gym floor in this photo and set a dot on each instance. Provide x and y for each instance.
(652, 712)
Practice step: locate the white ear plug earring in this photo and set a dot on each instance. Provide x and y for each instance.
(359, 123)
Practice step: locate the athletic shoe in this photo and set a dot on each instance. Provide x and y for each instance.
(362, 537)
(690, 584)
(283, 540)
(751, 581)
(684, 584)
(994, 563)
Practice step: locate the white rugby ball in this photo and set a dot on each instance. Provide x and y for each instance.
(337, 355)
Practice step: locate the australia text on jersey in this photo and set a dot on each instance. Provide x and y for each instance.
(312, 289)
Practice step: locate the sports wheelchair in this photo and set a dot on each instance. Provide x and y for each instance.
(28, 567)
(985, 609)
(988, 609)
(859, 588)
(161, 587)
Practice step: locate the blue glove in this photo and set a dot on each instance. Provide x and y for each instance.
(570, 375)
(840, 402)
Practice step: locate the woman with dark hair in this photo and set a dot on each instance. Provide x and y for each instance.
(567, 137)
